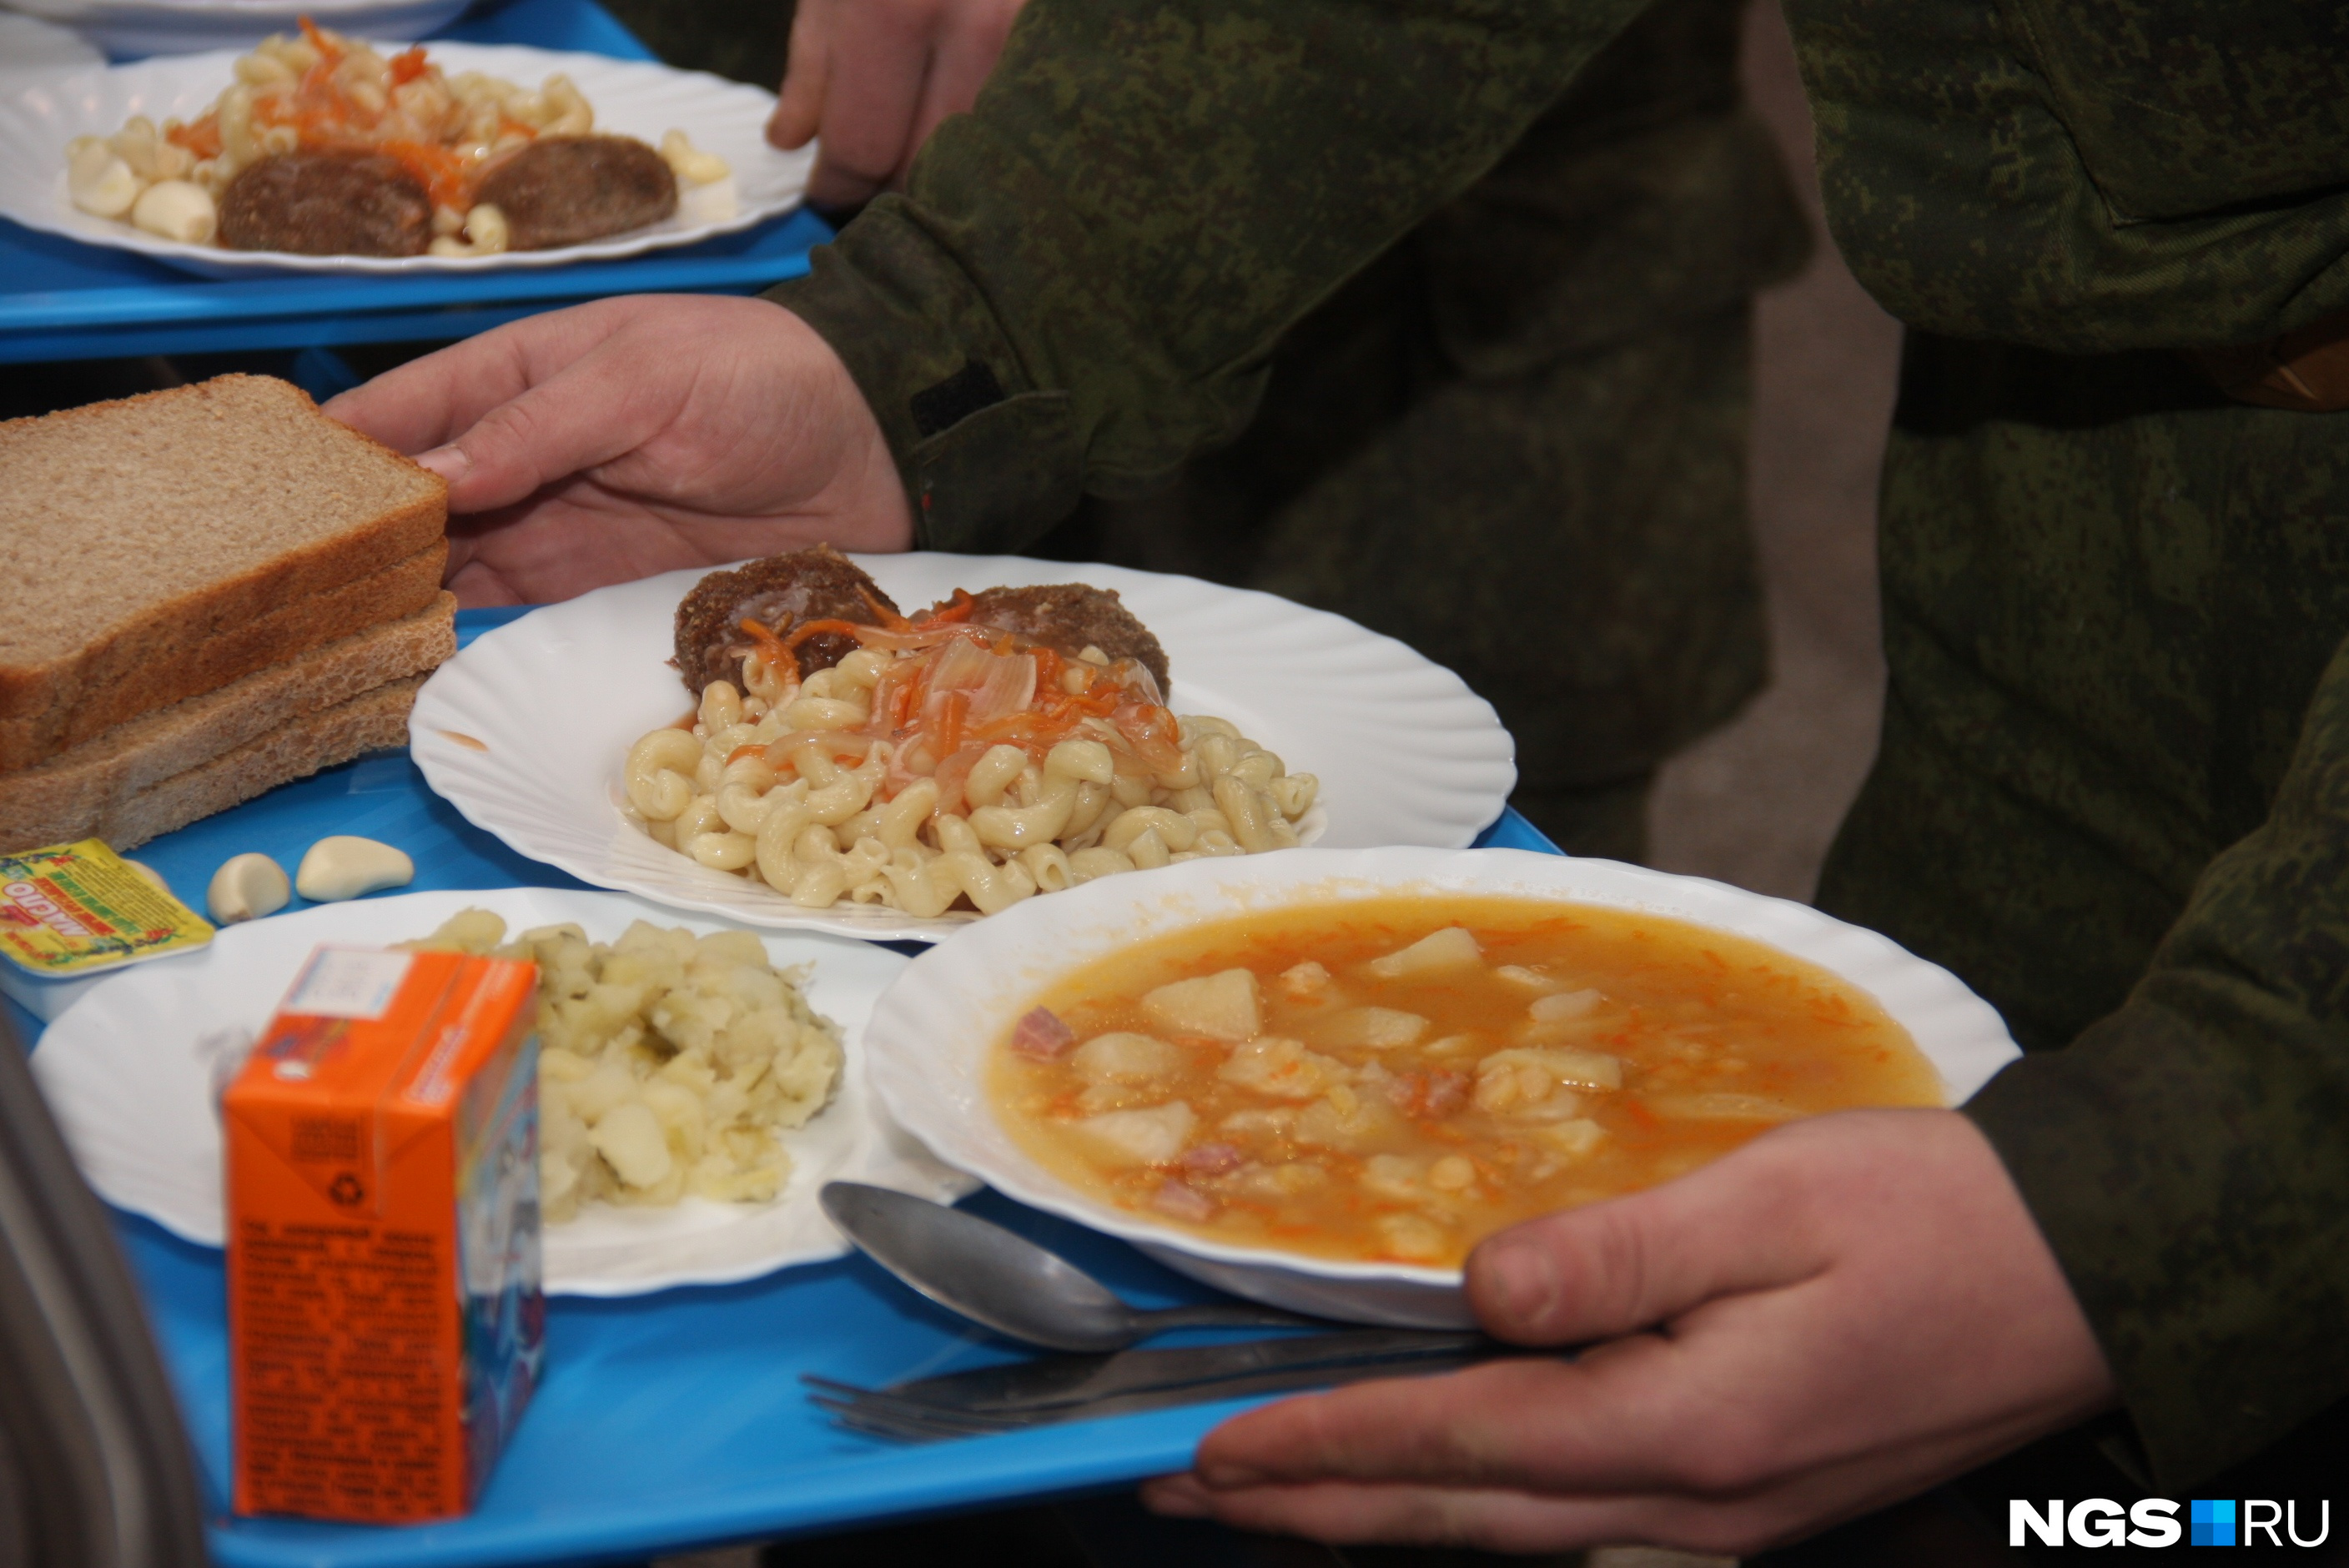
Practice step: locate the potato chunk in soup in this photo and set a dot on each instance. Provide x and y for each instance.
(1395, 1078)
(1220, 1007)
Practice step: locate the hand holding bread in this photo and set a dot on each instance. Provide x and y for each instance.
(636, 434)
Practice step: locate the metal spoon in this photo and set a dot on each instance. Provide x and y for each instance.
(1007, 1282)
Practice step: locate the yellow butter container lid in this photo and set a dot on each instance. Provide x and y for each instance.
(70, 909)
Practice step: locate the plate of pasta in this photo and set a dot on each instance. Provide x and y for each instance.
(751, 1105)
(936, 764)
(317, 152)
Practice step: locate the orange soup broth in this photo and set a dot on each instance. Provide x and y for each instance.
(1718, 1038)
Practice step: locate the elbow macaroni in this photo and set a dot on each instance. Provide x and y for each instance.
(754, 787)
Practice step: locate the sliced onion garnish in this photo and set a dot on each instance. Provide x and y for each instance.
(1009, 687)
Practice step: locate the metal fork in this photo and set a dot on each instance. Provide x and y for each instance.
(973, 1404)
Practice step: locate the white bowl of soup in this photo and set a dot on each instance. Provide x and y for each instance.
(1318, 1077)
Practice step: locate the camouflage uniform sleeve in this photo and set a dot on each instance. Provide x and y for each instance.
(2215, 1099)
(1087, 274)
(2086, 175)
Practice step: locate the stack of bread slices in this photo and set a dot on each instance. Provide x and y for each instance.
(204, 593)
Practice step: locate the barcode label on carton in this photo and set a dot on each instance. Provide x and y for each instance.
(342, 982)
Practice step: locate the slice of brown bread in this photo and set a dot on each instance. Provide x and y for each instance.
(104, 773)
(227, 655)
(132, 533)
(371, 720)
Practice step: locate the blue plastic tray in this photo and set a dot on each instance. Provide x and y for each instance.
(668, 1421)
(63, 300)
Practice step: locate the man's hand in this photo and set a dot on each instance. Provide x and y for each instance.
(1842, 1314)
(636, 434)
(872, 78)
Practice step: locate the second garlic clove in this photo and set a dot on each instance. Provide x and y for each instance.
(246, 887)
(177, 210)
(345, 866)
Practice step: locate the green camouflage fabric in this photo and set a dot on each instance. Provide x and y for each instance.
(1516, 441)
(2112, 791)
(1571, 540)
(2087, 175)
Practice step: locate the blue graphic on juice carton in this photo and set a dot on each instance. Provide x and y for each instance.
(499, 1259)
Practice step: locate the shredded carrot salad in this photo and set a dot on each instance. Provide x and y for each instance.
(953, 691)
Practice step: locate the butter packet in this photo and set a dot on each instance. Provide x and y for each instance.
(71, 909)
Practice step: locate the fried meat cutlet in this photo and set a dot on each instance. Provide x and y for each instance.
(1070, 617)
(566, 190)
(326, 204)
(781, 591)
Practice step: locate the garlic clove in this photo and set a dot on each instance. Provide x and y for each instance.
(177, 210)
(246, 887)
(345, 866)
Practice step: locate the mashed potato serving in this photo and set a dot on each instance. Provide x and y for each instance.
(669, 1065)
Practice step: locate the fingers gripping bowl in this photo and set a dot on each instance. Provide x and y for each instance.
(954, 1054)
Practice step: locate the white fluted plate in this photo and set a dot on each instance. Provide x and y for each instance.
(131, 28)
(130, 1073)
(29, 46)
(39, 113)
(929, 1038)
(525, 731)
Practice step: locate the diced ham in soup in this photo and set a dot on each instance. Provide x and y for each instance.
(1039, 1035)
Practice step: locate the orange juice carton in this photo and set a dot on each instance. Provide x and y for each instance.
(385, 1317)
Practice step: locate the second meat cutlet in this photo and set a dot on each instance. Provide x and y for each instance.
(568, 189)
(1070, 617)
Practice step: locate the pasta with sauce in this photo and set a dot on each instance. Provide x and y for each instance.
(942, 764)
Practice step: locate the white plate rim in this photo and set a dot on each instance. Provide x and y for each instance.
(89, 1036)
(227, 13)
(717, 114)
(1445, 797)
(970, 990)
